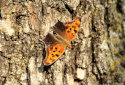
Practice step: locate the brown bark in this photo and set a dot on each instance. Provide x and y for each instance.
(97, 56)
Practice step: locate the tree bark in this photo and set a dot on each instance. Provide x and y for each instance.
(97, 56)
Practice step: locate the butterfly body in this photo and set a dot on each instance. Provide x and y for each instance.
(56, 45)
(64, 41)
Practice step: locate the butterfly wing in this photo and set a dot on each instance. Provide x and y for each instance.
(54, 49)
(68, 30)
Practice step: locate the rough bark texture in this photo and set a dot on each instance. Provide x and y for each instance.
(97, 56)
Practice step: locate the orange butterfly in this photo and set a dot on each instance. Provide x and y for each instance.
(55, 45)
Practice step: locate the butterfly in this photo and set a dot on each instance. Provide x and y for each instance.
(56, 45)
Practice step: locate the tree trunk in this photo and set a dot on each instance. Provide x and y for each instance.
(97, 56)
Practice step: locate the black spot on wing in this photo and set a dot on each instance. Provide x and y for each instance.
(68, 31)
(59, 51)
(55, 47)
(66, 27)
(57, 55)
(75, 31)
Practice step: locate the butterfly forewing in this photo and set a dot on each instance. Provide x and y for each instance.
(69, 29)
(72, 28)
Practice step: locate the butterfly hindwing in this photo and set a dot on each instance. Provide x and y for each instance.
(53, 50)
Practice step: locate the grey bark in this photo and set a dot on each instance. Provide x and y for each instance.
(97, 56)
